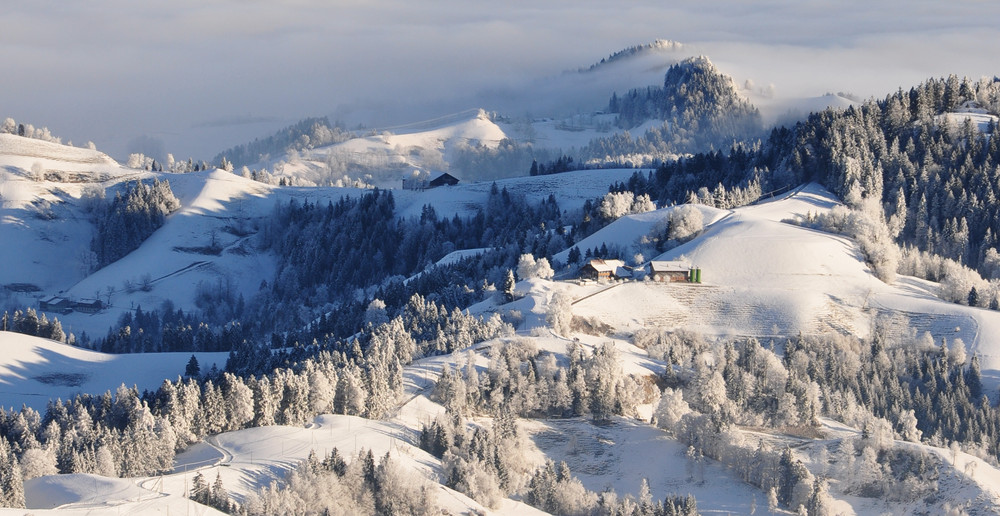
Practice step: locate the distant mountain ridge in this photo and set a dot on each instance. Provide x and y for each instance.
(660, 45)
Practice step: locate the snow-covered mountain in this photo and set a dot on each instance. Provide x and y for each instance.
(578, 112)
(762, 278)
(793, 372)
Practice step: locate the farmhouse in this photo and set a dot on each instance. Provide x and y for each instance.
(604, 270)
(671, 272)
(445, 179)
(55, 304)
(61, 305)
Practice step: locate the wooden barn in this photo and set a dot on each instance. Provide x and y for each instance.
(89, 306)
(604, 270)
(445, 179)
(671, 272)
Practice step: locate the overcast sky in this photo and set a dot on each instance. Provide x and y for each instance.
(195, 77)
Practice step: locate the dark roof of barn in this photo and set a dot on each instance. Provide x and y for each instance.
(443, 179)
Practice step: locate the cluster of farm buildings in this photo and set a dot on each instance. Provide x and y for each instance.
(61, 305)
(659, 271)
(57, 304)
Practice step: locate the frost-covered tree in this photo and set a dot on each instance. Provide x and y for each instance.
(685, 222)
(528, 268)
(351, 396)
(376, 313)
(37, 462)
(616, 204)
(11, 483)
(560, 313)
(201, 492)
(604, 376)
(671, 409)
(508, 286)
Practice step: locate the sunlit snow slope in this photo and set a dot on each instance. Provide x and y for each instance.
(34, 370)
(767, 278)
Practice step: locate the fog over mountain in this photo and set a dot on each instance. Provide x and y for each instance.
(193, 78)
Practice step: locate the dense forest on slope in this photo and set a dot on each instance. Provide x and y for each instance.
(333, 260)
(936, 181)
(124, 222)
(304, 134)
(701, 109)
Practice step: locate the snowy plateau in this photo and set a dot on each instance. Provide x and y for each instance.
(738, 393)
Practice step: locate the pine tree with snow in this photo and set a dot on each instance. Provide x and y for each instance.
(973, 297)
(351, 396)
(200, 490)
(508, 286)
(238, 401)
(192, 369)
(220, 496)
(11, 483)
(264, 402)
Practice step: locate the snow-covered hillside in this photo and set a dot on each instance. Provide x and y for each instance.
(762, 277)
(34, 370)
(386, 156)
(46, 190)
(767, 278)
(356, 338)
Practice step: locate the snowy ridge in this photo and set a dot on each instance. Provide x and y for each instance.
(660, 46)
(387, 158)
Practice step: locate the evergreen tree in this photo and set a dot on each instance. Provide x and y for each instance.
(201, 492)
(192, 370)
(220, 496)
(508, 286)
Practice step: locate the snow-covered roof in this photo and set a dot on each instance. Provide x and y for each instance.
(611, 266)
(669, 266)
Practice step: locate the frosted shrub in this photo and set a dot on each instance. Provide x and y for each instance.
(616, 205)
(685, 222)
(671, 409)
(529, 268)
